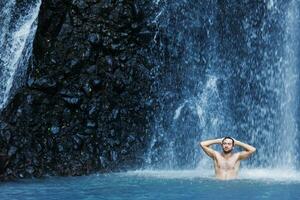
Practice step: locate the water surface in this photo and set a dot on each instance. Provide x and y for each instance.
(187, 184)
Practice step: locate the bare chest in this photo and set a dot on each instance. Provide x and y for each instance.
(226, 164)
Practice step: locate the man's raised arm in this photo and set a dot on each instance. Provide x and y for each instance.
(248, 149)
(208, 150)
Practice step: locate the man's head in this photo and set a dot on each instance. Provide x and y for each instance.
(227, 144)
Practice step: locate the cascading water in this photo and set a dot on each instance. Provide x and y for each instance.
(289, 99)
(188, 88)
(225, 68)
(18, 23)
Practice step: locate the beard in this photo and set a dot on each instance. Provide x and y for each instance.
(227, 151)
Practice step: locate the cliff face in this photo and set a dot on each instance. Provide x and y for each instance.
(85, 106)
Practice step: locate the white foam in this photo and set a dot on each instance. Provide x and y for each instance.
(276, 175)
(270, 174)
(172, 174)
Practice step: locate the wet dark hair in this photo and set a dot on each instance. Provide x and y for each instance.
(227, 137)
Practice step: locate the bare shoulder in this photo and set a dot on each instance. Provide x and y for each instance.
(236, 155)
(218, 155)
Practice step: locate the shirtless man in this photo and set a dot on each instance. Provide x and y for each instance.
(227, 163)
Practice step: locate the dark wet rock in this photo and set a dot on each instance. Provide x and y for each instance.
(4, 161)
(91, 124)
(44, 83)
(55, 129)
(12, 150)
(97, 83)
(84, 94)
(87, 89)
(92, 69)
(131, 138)
(94, 38)
(72, 100)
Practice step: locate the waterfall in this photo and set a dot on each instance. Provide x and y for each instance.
(290, 98)
(18, 26)
(225, 68)
(188, 87)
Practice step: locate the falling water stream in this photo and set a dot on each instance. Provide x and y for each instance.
(227, 68)
(18, 24)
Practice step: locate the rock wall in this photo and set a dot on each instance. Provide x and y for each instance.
(85, 106)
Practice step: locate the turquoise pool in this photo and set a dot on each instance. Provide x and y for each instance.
(158, 185)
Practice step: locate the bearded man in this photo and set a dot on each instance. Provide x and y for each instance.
(227, 163)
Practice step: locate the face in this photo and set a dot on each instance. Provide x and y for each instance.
(227, 146)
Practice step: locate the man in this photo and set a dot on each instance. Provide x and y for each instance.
(227, 163)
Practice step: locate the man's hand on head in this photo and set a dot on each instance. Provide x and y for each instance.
(234, 139)
(220, 140)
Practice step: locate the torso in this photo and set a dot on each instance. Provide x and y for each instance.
(226, 168)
